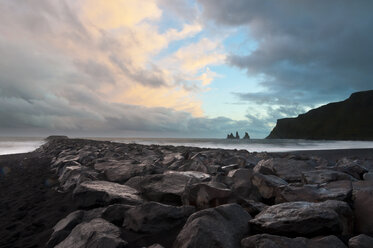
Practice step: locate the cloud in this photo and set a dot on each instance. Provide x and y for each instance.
(307, 49)
(90, 68)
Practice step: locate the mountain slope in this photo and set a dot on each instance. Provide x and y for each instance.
(351, 119)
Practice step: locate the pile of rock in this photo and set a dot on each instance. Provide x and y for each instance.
(163, 196)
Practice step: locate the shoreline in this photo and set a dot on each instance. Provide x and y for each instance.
(28, 218)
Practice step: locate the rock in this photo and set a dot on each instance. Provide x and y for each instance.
(288, 169)
(350, 119)
(324, 176)
(361, 241)
(74, 175)
(251, 206)
(101, 193)
(205, 195)
(164, 188)
(273, 241)
(241, 184)
(368, 176)
(154, 217)
(223, 226)
(267, 185)
(115, 213)
(203, 177)
(338, 190)
(363, 210)
(351, 167)
(63, 228)
(155, 246)
(305, 219)
(247, 136)
(97, 233)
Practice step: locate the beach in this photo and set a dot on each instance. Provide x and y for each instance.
(163, 186)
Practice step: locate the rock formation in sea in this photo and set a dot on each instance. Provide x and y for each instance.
(351, 119)
(247, 136)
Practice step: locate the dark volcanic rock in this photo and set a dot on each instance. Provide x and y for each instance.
(206, 195)
(273, 241)
(324, 176)
(351, 119)
(97, 233)
(363, 210)
(337, 190)
(164, 188)
(361, 241)
(153, 217)
(223, 226)
(305, 219)
(102, 193)
(267, 185)
(288, 169)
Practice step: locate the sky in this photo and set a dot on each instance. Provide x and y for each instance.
(176, 68)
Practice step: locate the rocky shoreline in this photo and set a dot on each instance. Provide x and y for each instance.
(130, 195)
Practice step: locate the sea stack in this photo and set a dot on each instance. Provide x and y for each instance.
(247, 136)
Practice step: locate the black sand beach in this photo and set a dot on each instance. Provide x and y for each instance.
(30, 205)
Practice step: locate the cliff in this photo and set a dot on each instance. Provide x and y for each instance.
(351, 119)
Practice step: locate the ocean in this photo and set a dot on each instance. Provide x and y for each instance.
(11, 145)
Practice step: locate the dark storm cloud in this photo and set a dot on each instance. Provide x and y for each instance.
(308, 50)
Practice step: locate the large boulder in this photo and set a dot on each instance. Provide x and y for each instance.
(273, 241)
(101, 193)
(361, 241)
(267, 185)
(338, 190)
(153, 217)
(97, 233)
(205, 195)
(351, 167)
(164, 188)
(223, 226)
(241, 183)
(75, 174)
(324, 176)
(116, 213)
(305, 219)
(288, 169)
(363, 210)
(63, 228)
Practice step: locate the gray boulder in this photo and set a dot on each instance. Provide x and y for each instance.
(288, 169)
(338, 190)
(351, 167)
(153, 217)
(324, 176)
(368, 176)
(205, 195)
(273, 241)
(305, 219)
(241, 184)
(267, 185)
(164, 188)
(63, 228)
(115, 213)
(102, 193)
(223, 226)
(98, 233)
(361, 241)
(363, 210)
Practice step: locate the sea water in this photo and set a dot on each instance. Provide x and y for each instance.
(11, 145)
